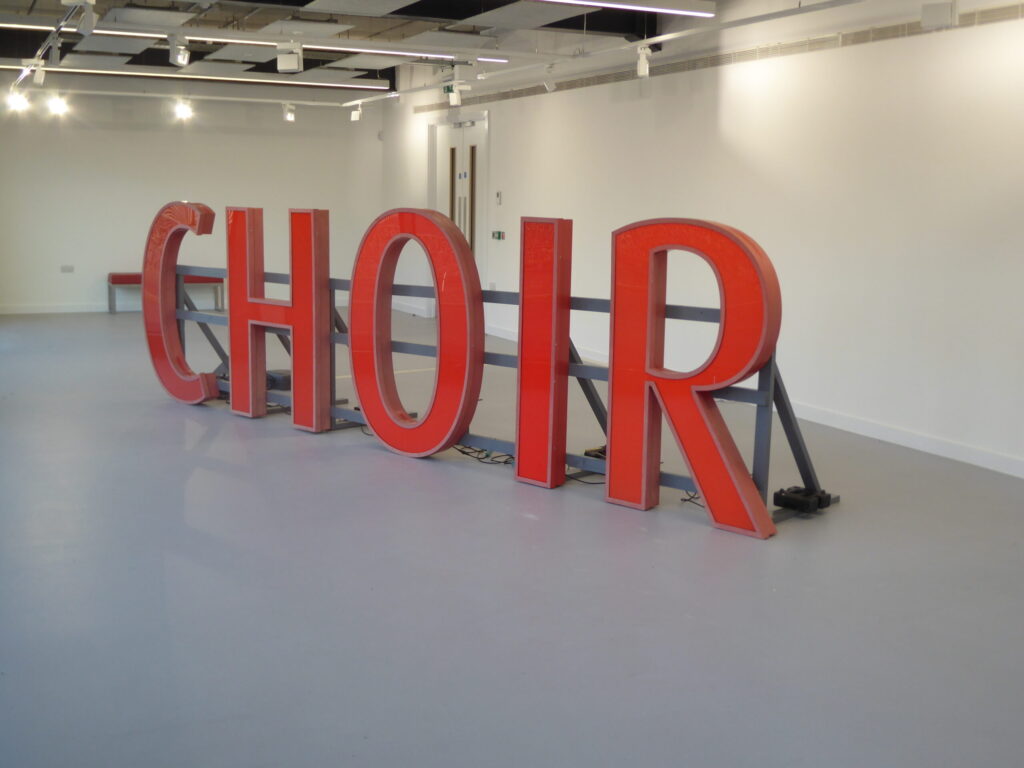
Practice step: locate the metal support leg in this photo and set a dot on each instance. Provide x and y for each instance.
(590, 392)
(335, 319)
(222, 369)
(339, 324)
(796, 439)
(763, 428)
(179, 302)
(111, 298)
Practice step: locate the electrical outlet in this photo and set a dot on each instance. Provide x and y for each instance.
(67, 269)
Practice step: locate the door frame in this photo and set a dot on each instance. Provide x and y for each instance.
(483, 156)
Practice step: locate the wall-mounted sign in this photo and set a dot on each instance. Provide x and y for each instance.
(641, 389)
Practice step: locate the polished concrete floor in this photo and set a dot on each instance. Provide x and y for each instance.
(180, 586)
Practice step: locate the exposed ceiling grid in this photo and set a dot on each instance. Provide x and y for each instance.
(525, 14)
(239, 38)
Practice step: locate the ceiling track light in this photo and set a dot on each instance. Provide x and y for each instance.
(383, 52)
(357, 113)
(643, 61)
(288, 111)
(183, 110)
(289, 58)
(179, 53)
(28, 66)
(87, 23)
(698, 7)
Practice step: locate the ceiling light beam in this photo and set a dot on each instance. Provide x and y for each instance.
(218, 78)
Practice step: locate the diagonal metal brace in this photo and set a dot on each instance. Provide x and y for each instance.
(590, 391)
(222, 369)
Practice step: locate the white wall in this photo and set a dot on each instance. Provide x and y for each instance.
(884, 180)
(83, 190)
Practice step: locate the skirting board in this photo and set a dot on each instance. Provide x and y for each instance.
(126, 305)
(411, 306)
(998, 462)
(980, 457)
(36, 309)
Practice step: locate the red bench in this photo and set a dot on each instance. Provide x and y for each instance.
(115, 279)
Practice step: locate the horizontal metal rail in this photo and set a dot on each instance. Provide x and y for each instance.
(497, 445)
(770, 390)
(583, 304)
(500, 359)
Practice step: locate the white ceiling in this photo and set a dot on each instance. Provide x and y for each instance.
(108, 44)
(219, 68)
(370, 61)
(255, 54)
(93, 61)
(356, 7)
(308, 28)
(146, 17)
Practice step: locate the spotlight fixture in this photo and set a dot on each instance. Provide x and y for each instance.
(356, 114)
(289, 58)
(455, 98)
(17, 101)
(57, 106)
(55, 54)
(39, 75)
(183, 110)
(289, 112)
(179, 51)
(643, 61)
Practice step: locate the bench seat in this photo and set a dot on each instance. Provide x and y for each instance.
(115, 279)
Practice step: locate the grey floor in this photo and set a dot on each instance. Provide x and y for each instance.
(180, 586)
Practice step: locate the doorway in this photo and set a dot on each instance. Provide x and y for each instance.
(460, 176)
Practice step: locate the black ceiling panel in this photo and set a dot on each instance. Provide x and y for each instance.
(20, 43)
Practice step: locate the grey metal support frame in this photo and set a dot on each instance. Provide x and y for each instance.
(770, 390)
(763, 428)
(179, 302)
(795, 436)
(589, 390)
(222, 369)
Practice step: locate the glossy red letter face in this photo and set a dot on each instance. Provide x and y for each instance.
(641, 388)
(308, 315)
(544, 285)
(158, 300)
(460, 348)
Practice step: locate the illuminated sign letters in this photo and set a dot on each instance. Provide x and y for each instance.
(641, 389)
